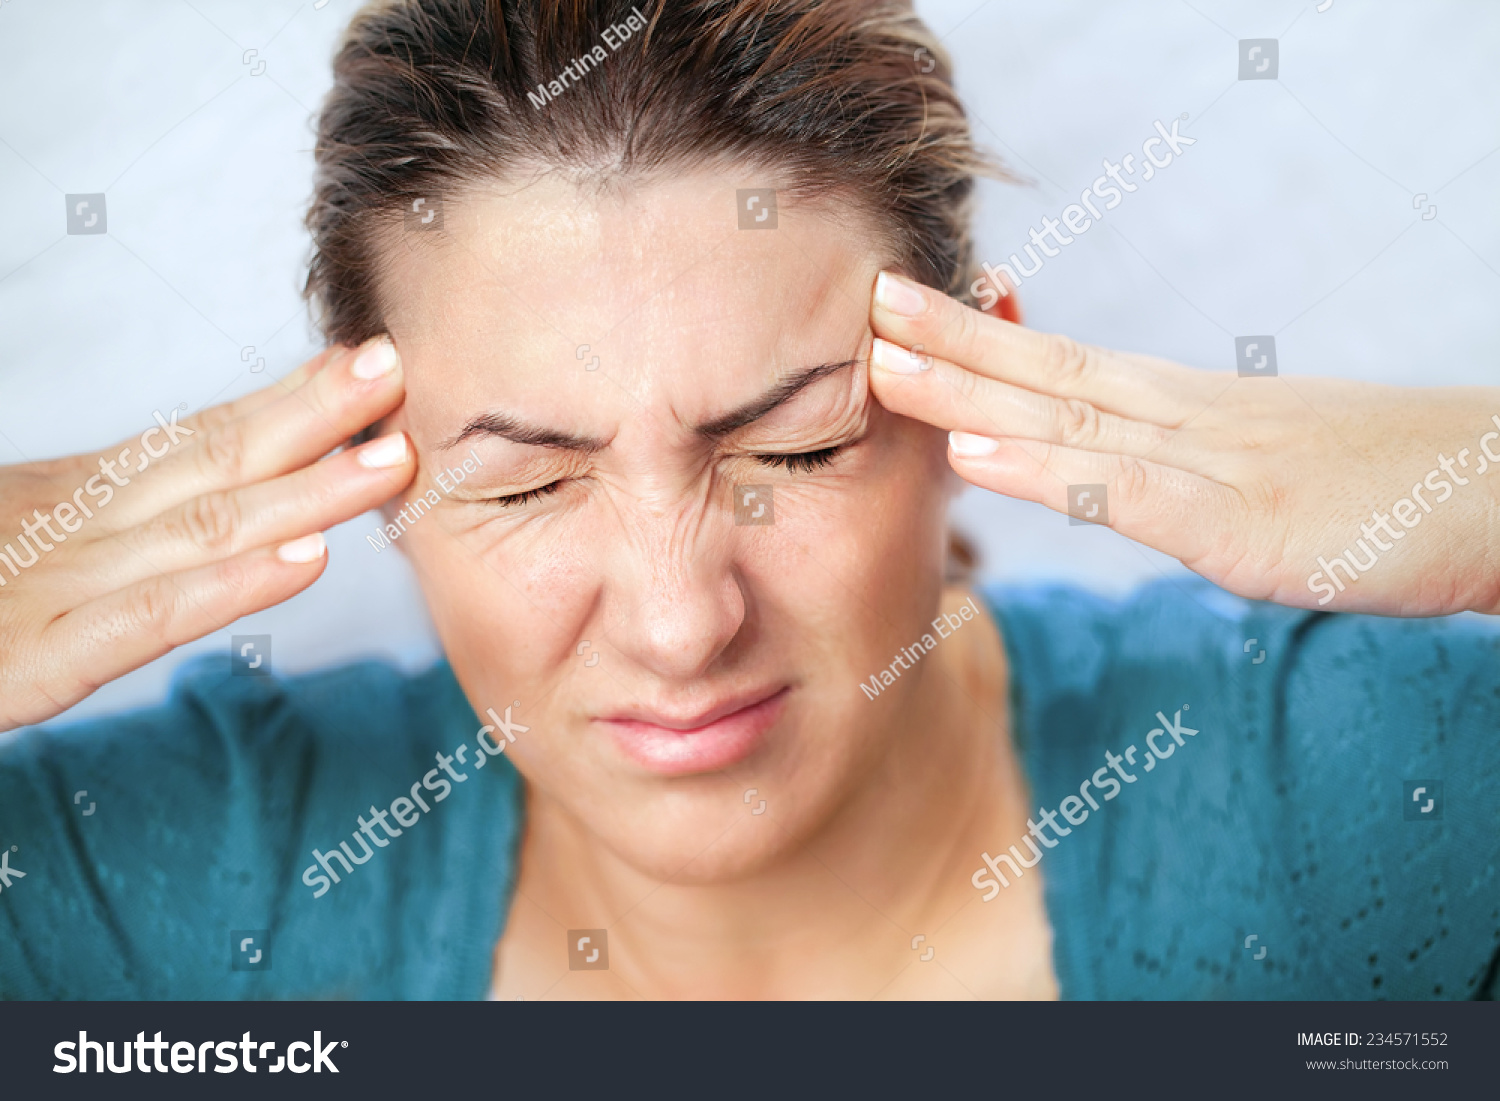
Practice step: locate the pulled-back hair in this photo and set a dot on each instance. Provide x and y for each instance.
(838, 98)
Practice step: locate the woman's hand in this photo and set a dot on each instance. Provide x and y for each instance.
(112, 559)
(1265, 486)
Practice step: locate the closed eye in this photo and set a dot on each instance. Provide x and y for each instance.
(511, 500)
(801, 462)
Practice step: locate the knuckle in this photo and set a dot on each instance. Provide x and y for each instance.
(1133, 482)
(1273, 499)
(1280, 500)
(1067, 361)
(223, 451)
(237, 578)
(1078, 422)
(213, 419)
(965, 383)
(27, 486)
(211, 521)
(326, 395)
(151, 607)
(968, 335)
(70, 471)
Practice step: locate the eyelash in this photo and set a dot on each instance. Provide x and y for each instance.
(512, 500)
(802, 462)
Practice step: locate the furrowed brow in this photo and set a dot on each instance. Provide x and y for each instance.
(778, 395)
(509, 428)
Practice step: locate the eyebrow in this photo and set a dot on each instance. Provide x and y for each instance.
(508, 427)
(783, 392)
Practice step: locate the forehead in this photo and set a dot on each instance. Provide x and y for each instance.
(525, 285)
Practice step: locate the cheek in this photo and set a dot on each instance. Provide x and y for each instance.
(856, 560)
(892, 518)
(848, 558)
(510, 614)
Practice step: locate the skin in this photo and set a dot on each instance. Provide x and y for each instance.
(876, 810)
(638, 553)
(1247, 481)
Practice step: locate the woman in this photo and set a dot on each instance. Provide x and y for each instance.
(710, 724)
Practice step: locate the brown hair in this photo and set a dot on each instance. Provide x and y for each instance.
(847, 98)
(837, 97)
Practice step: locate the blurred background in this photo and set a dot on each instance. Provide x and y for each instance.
(1339, 207)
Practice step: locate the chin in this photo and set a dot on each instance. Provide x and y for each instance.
(712, 838)
(730, 824)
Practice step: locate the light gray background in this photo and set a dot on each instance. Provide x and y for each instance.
(1294, 214)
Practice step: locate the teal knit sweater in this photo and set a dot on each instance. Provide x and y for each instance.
(1271, 843)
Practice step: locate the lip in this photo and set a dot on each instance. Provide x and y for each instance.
(710, 740)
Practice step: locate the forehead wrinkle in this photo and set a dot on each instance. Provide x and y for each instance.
(806, 279)
(783, 392)
(510, 428)
(807, 300)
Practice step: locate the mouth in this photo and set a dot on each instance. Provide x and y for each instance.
(677, 745)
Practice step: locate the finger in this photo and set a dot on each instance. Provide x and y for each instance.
(289, 432)
(944, 394)
(1157, 505)
(216, 415)
(107, 638)
(75, 471)
(1137, 387)
(225, 523)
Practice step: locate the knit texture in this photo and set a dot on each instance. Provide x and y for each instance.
(1287, 817)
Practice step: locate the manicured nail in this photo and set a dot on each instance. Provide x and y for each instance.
(899, 296)
(386, 451)
(307, 549)
(378, 358)
(896, 360)
(970, 446)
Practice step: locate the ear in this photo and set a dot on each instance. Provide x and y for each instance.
(1008, 306)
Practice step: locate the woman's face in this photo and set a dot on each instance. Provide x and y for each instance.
(682, 607)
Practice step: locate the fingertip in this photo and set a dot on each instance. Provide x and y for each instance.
(309, 548)
(966, 445)
(896, 360)
(899, 296)
(377, 358)
(387, 451)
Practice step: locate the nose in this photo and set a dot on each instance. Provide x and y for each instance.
(675, 600)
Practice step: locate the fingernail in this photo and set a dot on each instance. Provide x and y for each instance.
(971, 446)
(307, 549)
(378, 358)
(898, 361)
(899, 296)
(386, 451)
